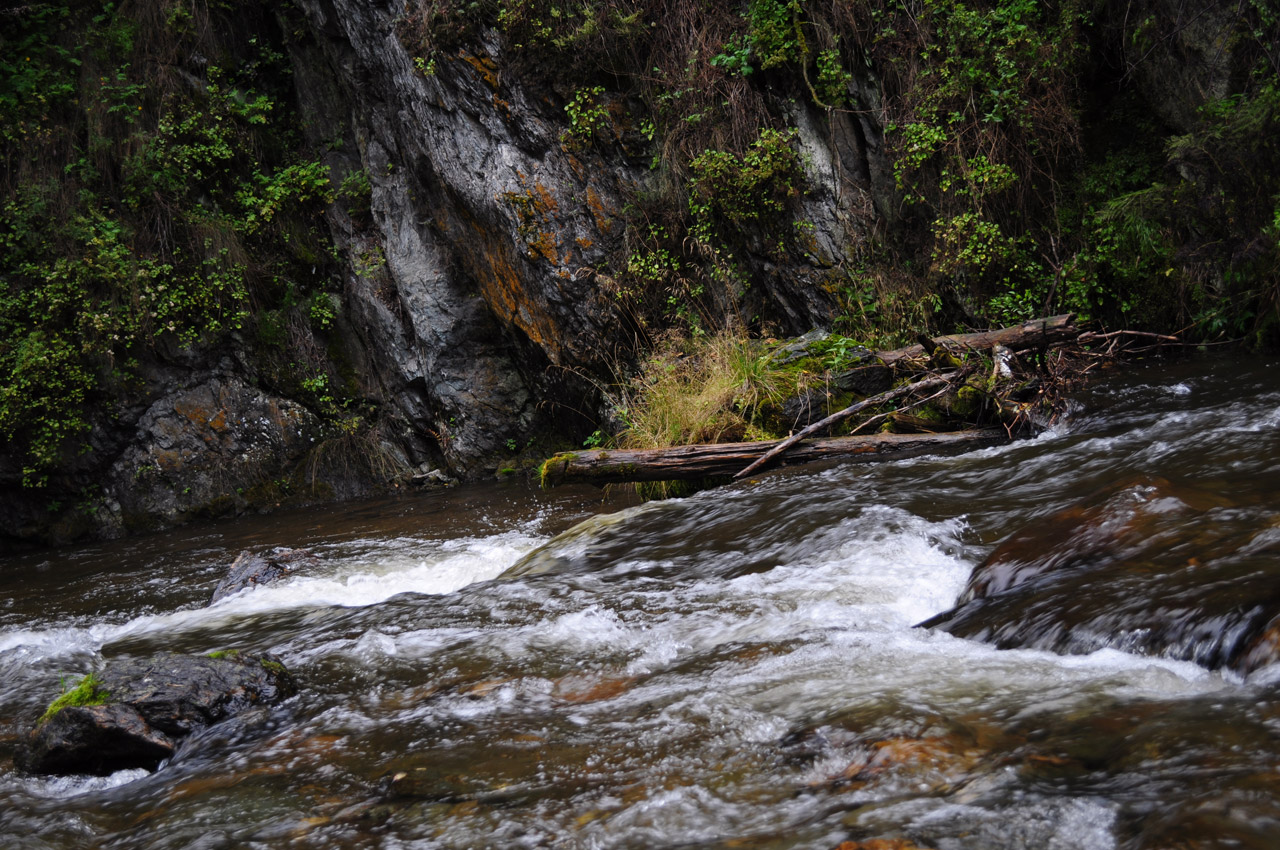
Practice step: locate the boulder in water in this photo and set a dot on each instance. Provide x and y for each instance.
(250, 569)
(135, 711)
(1145, 566)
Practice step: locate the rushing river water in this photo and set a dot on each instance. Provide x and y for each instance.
(495, 667)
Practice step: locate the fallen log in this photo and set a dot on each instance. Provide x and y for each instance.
(684, 463)
(1036, 333)
(872, 377)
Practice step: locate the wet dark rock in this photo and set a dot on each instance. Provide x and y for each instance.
(864, 380)
(804, 409)
(97, 739)
(151, 705)
(250, 569)
(1127, 569)
(198, 444)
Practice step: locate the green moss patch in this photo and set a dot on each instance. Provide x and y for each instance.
(88, 691)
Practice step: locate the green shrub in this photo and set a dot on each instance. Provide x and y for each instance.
(157, 223)
(743, 191)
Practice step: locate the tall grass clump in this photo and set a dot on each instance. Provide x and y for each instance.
(706, 389)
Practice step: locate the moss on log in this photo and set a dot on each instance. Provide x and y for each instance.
(683, 463)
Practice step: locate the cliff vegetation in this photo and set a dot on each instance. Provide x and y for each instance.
(261, 252)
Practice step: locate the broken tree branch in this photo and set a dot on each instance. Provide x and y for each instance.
(841, 415)
(1038, 332)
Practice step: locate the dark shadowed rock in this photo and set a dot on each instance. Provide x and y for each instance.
(1136, 567)
(96, 739)
(250, 569)
(151, 704)
(864, 380)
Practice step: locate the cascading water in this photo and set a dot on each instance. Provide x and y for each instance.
(736, 669)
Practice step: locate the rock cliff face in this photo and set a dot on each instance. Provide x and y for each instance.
(479, 303)
(1180, 56)
(475, 312)
(490, 307)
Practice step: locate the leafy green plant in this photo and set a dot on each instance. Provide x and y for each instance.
(777, 34)
(177, 205)
(832, 84)
(735, 56)
(838, 351)
(741, 191)
(356, 191)
(588, 116)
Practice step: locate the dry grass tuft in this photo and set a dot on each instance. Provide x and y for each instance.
(701, 390)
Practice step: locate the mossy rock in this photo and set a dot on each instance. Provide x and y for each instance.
(135, 712)
(968, 402)
(88, 691)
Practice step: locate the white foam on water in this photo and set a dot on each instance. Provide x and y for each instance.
(61, 787)
(723, 663)
(393, 568)
(838, 624)
(1046, 824)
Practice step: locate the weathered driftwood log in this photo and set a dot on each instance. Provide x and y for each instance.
(1032, 334)
(683, 463)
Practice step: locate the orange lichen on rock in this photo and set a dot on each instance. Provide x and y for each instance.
(546, 202)
(544, 245)
(504, 292)
(536, 221)
(576, 166)
(484, 66)
(603, 221)
(201, 415)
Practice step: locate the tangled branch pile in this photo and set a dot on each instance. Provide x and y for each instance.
(941, 395)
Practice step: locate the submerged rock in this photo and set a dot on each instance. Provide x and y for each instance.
(145, 707)
(1149, 566)
(250, 569)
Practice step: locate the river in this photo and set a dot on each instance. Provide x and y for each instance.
(498, 667)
